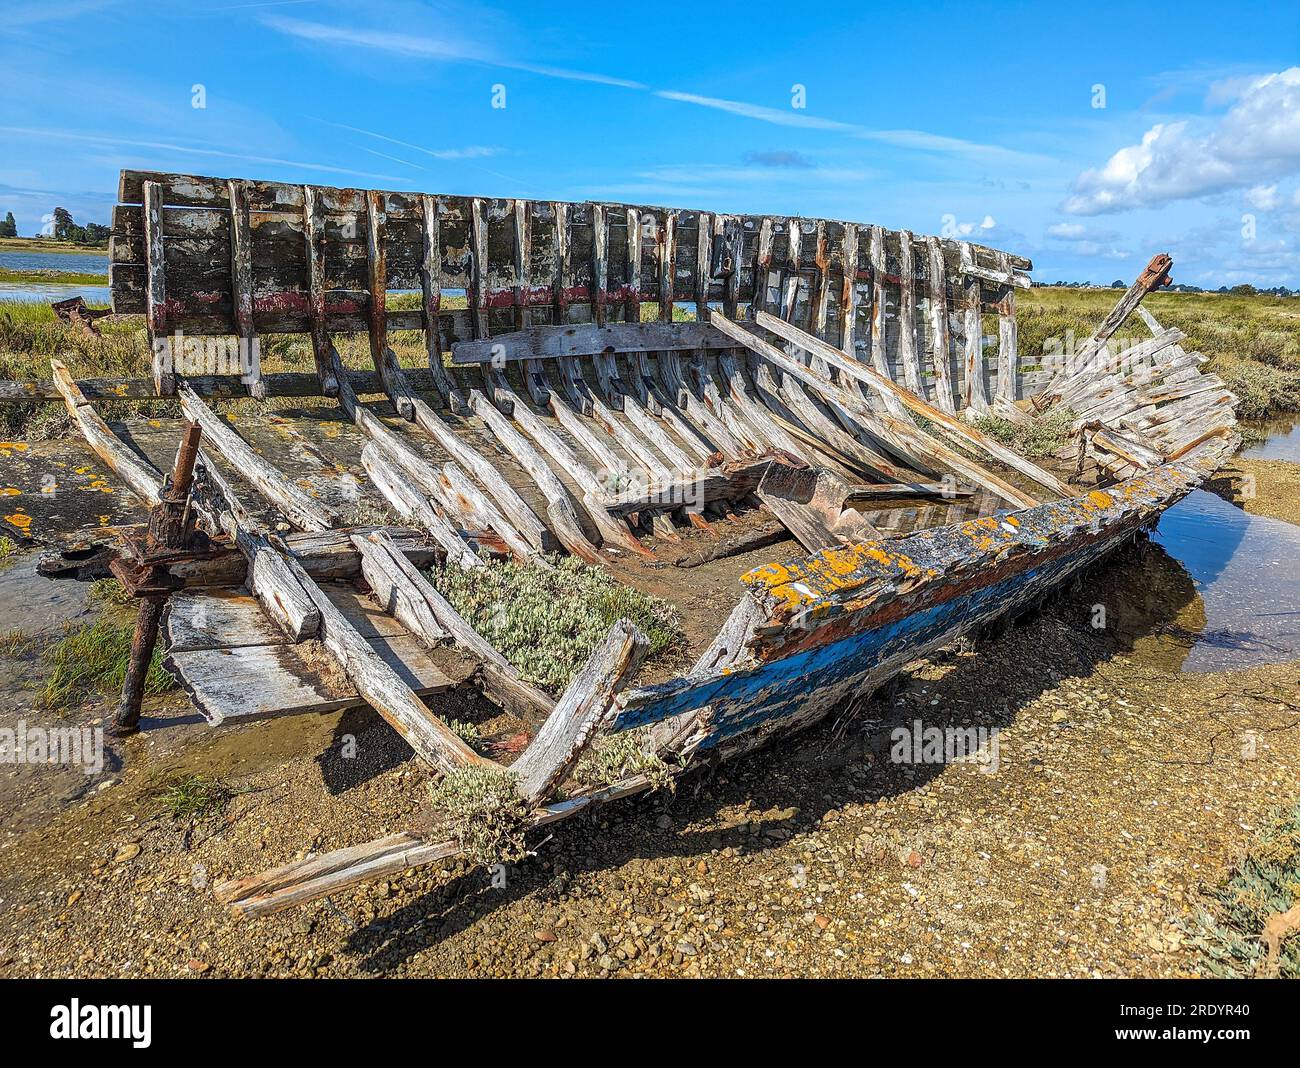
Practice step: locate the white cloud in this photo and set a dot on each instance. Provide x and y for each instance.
(1263, 197)
(1258, 138)
(1067, 231)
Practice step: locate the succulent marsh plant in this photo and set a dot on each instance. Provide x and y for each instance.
(482, 811)
(547, 622)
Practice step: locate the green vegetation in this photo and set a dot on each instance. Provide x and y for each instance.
(483, 813)
(47, 244)
(47, 276)
(547, 621)
(1045, 436)
(8, 227)
(92, 658)
(1229, 934)
(1253, 342)
(8, 551)
(194, 797)
(613, 757)
(465, 731)
(14, 642)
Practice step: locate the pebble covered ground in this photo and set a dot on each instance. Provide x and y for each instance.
(1119, 791)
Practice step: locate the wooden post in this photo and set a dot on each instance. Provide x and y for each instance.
(170, 526)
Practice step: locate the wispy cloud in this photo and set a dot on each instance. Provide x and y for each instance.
(468, 152)
(451, 50)
(162, 146)
(778, 158)
(44, 11)
(423, 47)
(777, 116)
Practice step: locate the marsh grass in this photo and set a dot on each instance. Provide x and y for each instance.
(194, 797)
(46, 276)
(1228, 933)
(547, 622)
(91, 658)
(15, 642)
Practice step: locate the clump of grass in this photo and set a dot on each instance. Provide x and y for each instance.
(195, 797)
(547, 621)
(108, 593)
(483, 813)
(1228, 934)
(8, 551)
(1045, 436)
(92, 659)
(15, 642)
(613, 757)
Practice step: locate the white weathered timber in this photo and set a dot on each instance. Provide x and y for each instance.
(160, 350)
(388, 477)
(383, 688)
(431, 297)
(559, 508)
(297, 507)
(581, 711)
(140, 476)
(909, 439)
(959, 429)
(940, 336)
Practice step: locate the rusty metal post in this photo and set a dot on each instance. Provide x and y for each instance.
(170, 527)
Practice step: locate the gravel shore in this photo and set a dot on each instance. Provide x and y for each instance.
(1120, 791)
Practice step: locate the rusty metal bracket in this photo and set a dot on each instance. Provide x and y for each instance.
(143, 568)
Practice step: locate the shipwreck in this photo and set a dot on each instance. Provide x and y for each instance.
(619, 380)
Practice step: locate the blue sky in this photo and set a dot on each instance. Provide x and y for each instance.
(966, 118)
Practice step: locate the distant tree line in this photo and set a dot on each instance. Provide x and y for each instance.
(1245, 289)
(8, 228)
(67, 229)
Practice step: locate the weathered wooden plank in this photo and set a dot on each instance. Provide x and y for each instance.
(388, 477)
(382, 686)
(940, 336)
(1008, 339)
(580, 713)
(431, 299)
(241, 275)
(974, 396)
(909, 439)
(907, 349)
(298, 508)
(399, 586)
(314, 235)
(729, 481)
(164, 378)
(986, 444)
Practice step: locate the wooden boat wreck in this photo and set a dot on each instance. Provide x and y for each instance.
(830, 373)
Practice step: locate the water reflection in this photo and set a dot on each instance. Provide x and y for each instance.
(1282, 442)
(1245, 570)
